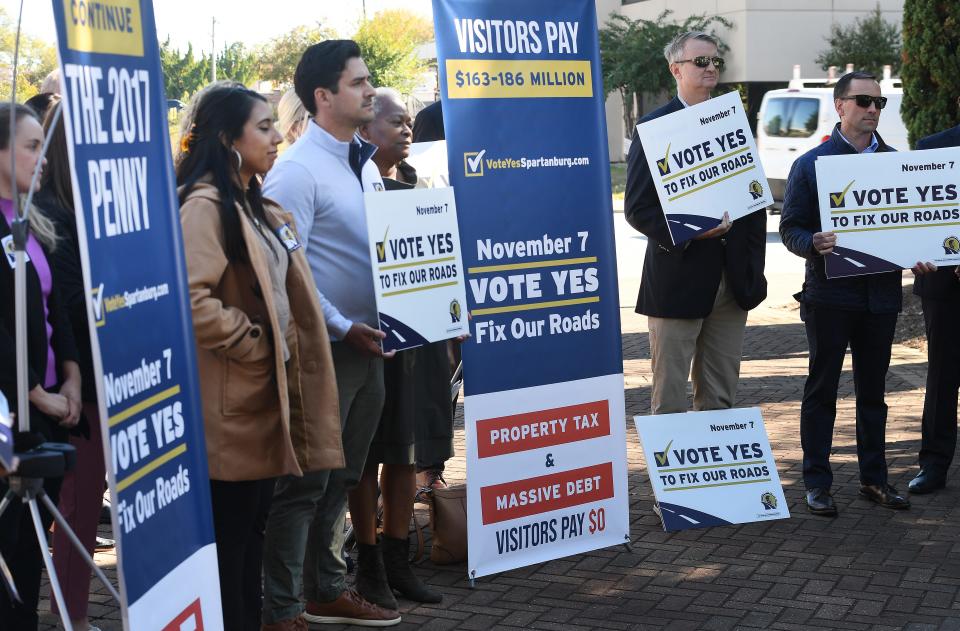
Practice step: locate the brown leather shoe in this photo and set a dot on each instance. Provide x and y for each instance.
(884, 495)
(350, 608)
(290, 624)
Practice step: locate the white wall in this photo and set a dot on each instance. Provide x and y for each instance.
(614, 118)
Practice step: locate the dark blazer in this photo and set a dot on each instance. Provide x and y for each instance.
(682, 281)
(800, 219)
(410, 178)
(942, 284)
(428, 125)
(63, 343)
(65, 264)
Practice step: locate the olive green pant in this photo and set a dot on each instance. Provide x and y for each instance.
(303, 544)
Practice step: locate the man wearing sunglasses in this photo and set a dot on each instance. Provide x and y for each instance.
(859, 311)
(940, 296)
(695, 295)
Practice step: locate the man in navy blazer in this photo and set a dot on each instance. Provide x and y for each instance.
(856, 311)
(940, 296)
(695, 295)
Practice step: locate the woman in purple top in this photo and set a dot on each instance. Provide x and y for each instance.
(54, 374)
(81, 496)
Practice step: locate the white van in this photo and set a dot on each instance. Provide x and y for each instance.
(796, 119)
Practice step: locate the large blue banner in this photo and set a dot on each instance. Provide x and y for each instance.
(115, 113)
(523, 111)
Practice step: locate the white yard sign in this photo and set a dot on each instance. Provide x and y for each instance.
(417, 269)
(711, 468)
(704, 162)
(890, 210)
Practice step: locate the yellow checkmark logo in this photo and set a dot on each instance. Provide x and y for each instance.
(663, 457)
(836, 199)
(664, 164)
(382, 247)
(96, 301)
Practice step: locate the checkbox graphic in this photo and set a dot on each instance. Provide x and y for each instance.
(837, 200)
(473, 163)
(96, 298)
(664, 165)
(663, 457)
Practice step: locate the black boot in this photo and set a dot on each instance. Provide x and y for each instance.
(399, 574)
(372, 578)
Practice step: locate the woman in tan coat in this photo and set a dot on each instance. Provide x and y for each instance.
(266, 374)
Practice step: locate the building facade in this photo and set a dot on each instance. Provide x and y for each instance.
(766, 39)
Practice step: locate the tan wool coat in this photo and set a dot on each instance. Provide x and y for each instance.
(261, 418)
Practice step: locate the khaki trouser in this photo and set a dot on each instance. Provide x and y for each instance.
(713, 344)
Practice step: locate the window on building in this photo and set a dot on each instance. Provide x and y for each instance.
(791, 117)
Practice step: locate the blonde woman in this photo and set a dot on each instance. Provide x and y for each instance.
(54, 374)
(292, 116)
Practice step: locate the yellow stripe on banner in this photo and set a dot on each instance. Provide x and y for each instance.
(143, 405)
(518, 79)
(415, 289)
(384, 268)
(710, 486)
(928, 225)
(713, 466)
(152, 466)
(709, 184)
(530, 265)
(841, 211)
(535, 305)
(708, 163)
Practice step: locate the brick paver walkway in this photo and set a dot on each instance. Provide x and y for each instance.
(870, 568)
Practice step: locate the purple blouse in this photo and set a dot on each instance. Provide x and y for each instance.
(39, 260)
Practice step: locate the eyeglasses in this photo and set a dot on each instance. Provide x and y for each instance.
(864, 100)
(703, 61)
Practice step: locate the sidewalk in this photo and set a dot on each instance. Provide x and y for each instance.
(870, 568)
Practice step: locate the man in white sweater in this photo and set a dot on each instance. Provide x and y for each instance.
(321, 179)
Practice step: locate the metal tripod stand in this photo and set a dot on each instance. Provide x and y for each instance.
(49, 460)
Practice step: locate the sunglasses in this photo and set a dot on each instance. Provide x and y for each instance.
(703, 61)
(864, 100)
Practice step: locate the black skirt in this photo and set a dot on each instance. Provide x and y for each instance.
(417, 419)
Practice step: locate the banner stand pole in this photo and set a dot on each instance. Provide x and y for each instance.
(49, 460)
